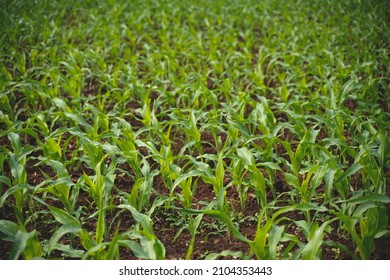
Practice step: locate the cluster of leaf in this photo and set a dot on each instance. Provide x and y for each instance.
(237, 95)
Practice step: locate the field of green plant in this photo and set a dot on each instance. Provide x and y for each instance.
(194, 129)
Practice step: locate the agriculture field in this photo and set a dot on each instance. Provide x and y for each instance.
(194, 129)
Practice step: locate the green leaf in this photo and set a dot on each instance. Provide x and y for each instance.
(21, 157)
(138, 250)
(96, 251)
(60, 103)
(157, 203)
(370, 197)
(226, 253)
(246, 156)
(16, 142)
(79, 120)
(292, 180)
(311, 249)
(271, 165)
(317, 179)
(53, 147)
(20, 244)
(61, 231)
(8, 230)
(329, 182)
(304, 207)
(58, 167)
(219, 174)
(220, 215)
(17, 169)
(113, 249)
(384, 149)
(204, 168)
(144, 220)
(258, 182)
(11, 191)
(182, 177)
(350, 171)
(274, 239)
(194, 132)
(69, 251)
(101, 226)
(63, 217)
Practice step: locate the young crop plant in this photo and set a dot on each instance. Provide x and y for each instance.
(18, 186)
